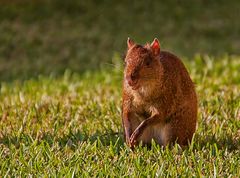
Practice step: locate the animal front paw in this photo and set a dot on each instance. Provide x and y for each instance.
(133, 138)
(133, 143)
(128, 142)
(134, 135)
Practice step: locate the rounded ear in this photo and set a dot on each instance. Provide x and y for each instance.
(155, 46)
(130, 43)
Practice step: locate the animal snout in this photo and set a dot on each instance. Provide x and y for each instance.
(132, 79)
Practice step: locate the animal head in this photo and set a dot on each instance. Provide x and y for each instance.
(141, 64)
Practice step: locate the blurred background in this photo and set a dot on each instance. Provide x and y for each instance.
(46, 37)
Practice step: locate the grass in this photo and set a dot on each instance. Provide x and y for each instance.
(60, 87)
(49, 36)
(71, 126)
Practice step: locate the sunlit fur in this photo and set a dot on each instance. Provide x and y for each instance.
(163, 87)
(147, 75)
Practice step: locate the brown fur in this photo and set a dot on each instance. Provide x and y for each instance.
(159, 100)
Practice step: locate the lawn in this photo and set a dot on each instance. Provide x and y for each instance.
(49, 36)
(71, 125)
(60, 95)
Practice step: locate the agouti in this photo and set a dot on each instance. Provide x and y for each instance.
(159, 98)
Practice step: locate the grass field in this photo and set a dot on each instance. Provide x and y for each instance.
(49, 36)
(60, 91)
(71, 125)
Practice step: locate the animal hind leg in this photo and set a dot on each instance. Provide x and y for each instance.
(183, 126)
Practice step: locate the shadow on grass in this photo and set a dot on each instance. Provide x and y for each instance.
(106, 139)
(71, 140)
(227, 142)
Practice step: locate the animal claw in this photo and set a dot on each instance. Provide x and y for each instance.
(133, 139)
(133, 143)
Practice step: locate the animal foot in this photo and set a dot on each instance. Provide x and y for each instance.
(133, 139)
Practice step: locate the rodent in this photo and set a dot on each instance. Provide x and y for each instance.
(159, 100)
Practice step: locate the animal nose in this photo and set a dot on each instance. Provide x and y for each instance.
(131, 79)
(133, 76)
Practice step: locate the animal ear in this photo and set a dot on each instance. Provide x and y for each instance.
(155, 46)
(130, 43)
